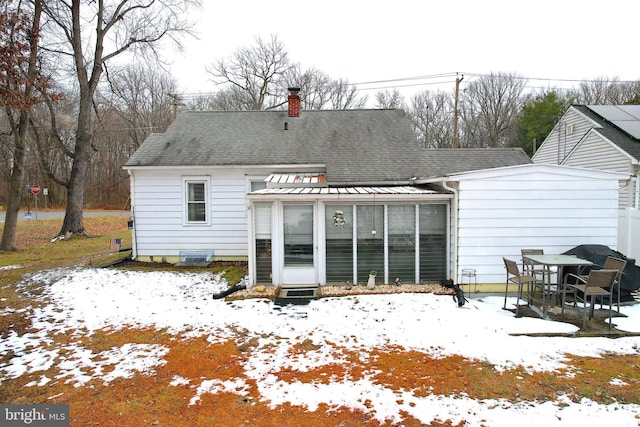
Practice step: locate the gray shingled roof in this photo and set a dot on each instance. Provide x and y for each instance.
(613, 133)
(357, 146)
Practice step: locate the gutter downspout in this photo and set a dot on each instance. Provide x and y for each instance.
(134, 237)
(454, 238)
(637, 190)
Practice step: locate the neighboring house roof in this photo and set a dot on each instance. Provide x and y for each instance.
(620, 132)
(354, 146)
(445, 161)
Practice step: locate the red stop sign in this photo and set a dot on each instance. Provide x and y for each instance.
(35, 188)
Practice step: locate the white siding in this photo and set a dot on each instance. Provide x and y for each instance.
(563, 138)
(534, 206)
(585, 149)
(596, 153)
(160, 227)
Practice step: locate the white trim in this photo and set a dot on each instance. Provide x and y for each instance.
(594, 123)
(249, 179)
(186, 180)
(602, 138)
(296, 167)
(535, 167)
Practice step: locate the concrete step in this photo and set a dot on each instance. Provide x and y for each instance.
(296, 294)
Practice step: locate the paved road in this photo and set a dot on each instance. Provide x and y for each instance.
(60, 214)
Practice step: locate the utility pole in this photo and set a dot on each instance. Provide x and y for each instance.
(455, 143)
(535, 145)
(175, 102)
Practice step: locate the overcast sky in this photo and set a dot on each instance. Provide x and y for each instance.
(364, 41)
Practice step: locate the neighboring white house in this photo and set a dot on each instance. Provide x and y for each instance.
(327, 196)
(607, 138)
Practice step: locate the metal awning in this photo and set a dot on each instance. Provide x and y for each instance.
(297, 178)
(320, 191)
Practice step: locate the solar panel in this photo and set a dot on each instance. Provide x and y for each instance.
(632, 110)
(625, 117)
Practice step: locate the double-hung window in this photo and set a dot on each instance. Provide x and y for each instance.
(196, 201)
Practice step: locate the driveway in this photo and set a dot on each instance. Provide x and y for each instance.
(60, 214)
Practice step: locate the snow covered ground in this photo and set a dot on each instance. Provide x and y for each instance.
(79, 301)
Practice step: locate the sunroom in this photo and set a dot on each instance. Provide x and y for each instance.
(339, 235)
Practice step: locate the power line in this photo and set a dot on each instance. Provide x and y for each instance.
(446, 76)
(431, 76)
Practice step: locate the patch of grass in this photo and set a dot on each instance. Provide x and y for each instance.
(232, 273)
(38, 253)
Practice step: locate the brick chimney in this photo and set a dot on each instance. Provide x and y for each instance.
(294, 102)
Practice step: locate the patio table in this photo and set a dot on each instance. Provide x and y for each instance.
(559, 261)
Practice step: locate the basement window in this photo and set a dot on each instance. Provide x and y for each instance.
(195, 258)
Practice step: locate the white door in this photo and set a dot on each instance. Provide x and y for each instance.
(298, 245)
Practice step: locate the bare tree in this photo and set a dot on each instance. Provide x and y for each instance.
(145, 98)
(315, 86)
(254, 74)
(54, 126)
(345, 95)
(390, 99)
(319, 91)
(140, 100)
(491, 106)
(257, 78)
(21, 87)
(226, 99)
(606, 90)
(630, 92)
(118, 26)
(107, 184)
(432, 118)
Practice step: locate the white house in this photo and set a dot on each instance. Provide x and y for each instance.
(503, 210)
(327, 196)
(606, 138)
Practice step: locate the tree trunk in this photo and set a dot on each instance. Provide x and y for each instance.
(8, 242)
(73, 218)
(73, 223)
(75, 200)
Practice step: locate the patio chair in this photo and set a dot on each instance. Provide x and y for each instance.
(599, 283)
(535, 270)
(544, 275)
(515, 277)
(613, 263)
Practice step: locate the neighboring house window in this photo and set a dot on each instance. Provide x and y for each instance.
(196, 200)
